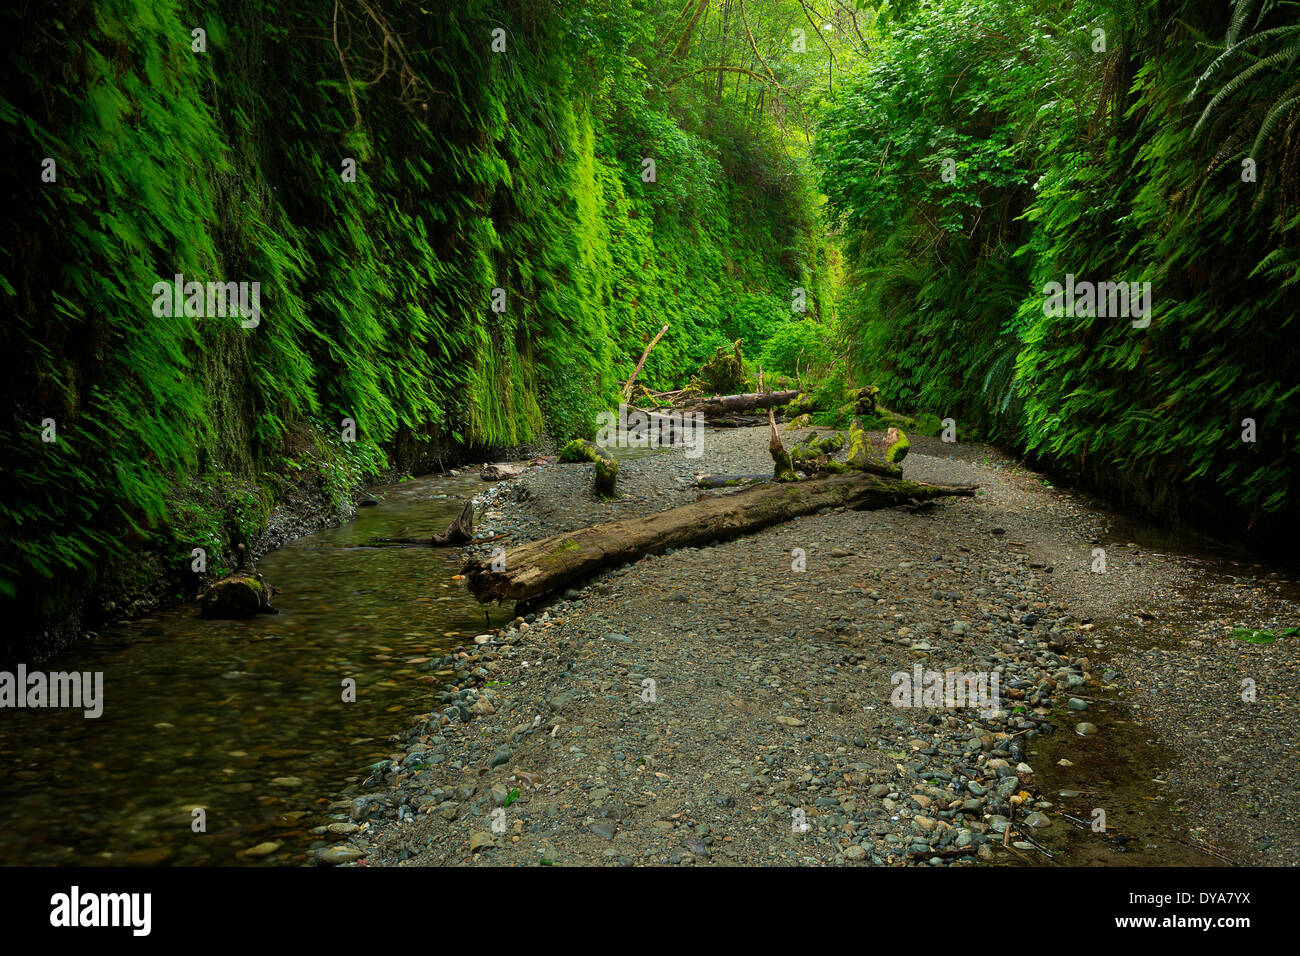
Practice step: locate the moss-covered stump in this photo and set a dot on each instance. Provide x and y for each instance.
(606, 477)
(782, 467)
(865, 401)
(237, 596)
(723, 373)
(896, 446)
(868, 454)
(801, 404)
(581, 450)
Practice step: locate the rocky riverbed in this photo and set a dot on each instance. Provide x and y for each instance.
(735, 704)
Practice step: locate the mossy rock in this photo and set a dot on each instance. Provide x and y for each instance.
(828, 444)
(1259, 636)
(800, 421)
(804, 452)
(237, 596)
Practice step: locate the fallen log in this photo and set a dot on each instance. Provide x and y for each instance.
(743, 402)
(543, 566)
(813, 455)
(729, 481)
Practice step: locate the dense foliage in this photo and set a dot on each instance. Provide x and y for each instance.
(225, 156)
(467, 220)
(989, 149)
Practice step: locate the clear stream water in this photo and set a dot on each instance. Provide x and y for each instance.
(244, 718)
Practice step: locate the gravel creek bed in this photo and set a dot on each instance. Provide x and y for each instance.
(715, 706)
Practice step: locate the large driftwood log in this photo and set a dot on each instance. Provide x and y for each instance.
(728, 481)
(744, 402)
(543, 566)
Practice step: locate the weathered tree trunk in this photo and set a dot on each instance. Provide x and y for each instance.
(728, 481)
(782, 468)
(460, 531)
(542, 566)
(743, 402)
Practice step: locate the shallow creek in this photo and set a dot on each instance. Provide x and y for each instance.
(245, 719)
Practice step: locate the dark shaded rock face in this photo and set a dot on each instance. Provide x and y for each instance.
(236, 596)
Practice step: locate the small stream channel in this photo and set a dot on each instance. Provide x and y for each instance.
(1122, 769)
(245, 719)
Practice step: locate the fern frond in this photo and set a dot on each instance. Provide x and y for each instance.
(1236, 83)
(1271, 119)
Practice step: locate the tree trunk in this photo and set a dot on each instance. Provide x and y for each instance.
(745, 401)
(460, 530)
(729, 481)
(554, 562)
(627, 389)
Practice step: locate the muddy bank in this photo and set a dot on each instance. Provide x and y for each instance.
(717, 705)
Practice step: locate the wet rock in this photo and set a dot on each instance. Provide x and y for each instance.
(338, 855)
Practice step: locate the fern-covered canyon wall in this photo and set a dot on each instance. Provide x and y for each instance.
(988, 150)
(456, 237)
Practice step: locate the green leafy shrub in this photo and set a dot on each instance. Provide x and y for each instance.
(796, 346)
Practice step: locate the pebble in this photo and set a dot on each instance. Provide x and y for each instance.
(338, 855)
